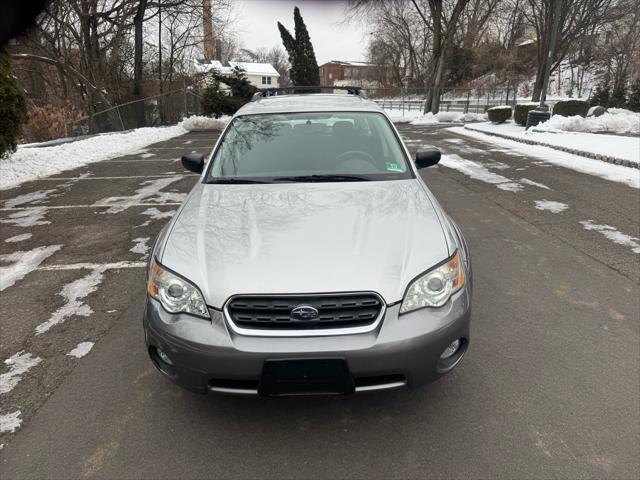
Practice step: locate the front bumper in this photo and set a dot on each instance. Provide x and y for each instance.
(207, 355)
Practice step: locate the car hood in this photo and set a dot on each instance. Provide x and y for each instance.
(305, 238)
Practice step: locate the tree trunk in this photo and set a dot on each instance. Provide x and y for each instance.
(537, 86)
(137, 63)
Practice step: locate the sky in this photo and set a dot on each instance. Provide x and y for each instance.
(332, 38)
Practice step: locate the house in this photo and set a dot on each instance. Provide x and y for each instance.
(260, 75)
(338, 72)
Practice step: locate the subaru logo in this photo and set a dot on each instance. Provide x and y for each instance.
(304, 312)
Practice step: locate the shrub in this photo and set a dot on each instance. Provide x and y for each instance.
(217, 103)
(601, 95)
(522, 111)
(569, 108)
(13, 106)
(619, 95)
(633, 102)
(50, 121)
(499, 114)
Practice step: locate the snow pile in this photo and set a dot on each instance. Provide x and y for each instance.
(31, 163)
(399, 116)
(448, 117)
(615, 120)
(196, 123)
(501, 107)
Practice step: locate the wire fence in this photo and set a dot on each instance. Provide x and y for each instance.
(465, 100)
(171, 107)
(166, 109)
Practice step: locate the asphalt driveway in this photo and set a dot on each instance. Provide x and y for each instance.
(549, 387)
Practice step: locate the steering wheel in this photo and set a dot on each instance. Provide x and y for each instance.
(359, 154)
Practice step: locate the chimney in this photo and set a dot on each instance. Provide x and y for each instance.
(207, 31)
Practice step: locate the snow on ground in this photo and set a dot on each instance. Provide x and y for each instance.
(608, 171)
(73, 293)
(29, 217)
(526, 181)
(19, 364)
(416, 117)
(141, 246)
(33, 197)
(150, 190)
(17, 265)
(625, 147)
(196, 123)
(551, 206)
(399, 116)
(155, 214)
(81, 350)
(614, 235)
(10, 422)
(37, 162)
(19, 238)
(478, 171)
(615, 120)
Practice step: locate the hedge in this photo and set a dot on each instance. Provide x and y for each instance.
(499, 114)
(522, 111)
(569, 108)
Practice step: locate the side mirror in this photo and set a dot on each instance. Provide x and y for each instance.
(427, 158)
(193, 162)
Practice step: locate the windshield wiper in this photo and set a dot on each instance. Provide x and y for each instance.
(322, 178)
(235, 180)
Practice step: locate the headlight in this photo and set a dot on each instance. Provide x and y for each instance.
(174, 293)
(434, 288)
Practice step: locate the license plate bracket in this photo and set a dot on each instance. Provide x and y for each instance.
(322, 376)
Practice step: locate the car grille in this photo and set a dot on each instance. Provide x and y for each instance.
(334, 311)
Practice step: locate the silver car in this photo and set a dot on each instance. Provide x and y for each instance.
(310, 258)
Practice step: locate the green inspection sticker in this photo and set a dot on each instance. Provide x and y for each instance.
(393, 167)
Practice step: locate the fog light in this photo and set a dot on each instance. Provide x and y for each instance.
(164, 357)
(450, 350)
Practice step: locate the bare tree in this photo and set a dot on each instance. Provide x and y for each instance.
(577, 17)
(441, 18)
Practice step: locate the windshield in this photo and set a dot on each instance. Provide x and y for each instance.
(340, 146)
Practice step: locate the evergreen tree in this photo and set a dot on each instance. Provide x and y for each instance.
(601, 95)
(633, 102)
(304, 66)
(619, 93)
(13, 106)
(217, 101)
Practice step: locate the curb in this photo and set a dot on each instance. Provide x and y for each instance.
(595, 156)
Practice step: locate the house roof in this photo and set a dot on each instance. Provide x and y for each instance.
(256, 68)
(250, 68)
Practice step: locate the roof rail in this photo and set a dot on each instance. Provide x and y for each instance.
(272, 92)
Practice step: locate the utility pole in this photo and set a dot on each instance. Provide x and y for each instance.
(207, 31)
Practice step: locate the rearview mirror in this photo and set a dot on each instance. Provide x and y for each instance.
(427, 158)
(193, 162)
